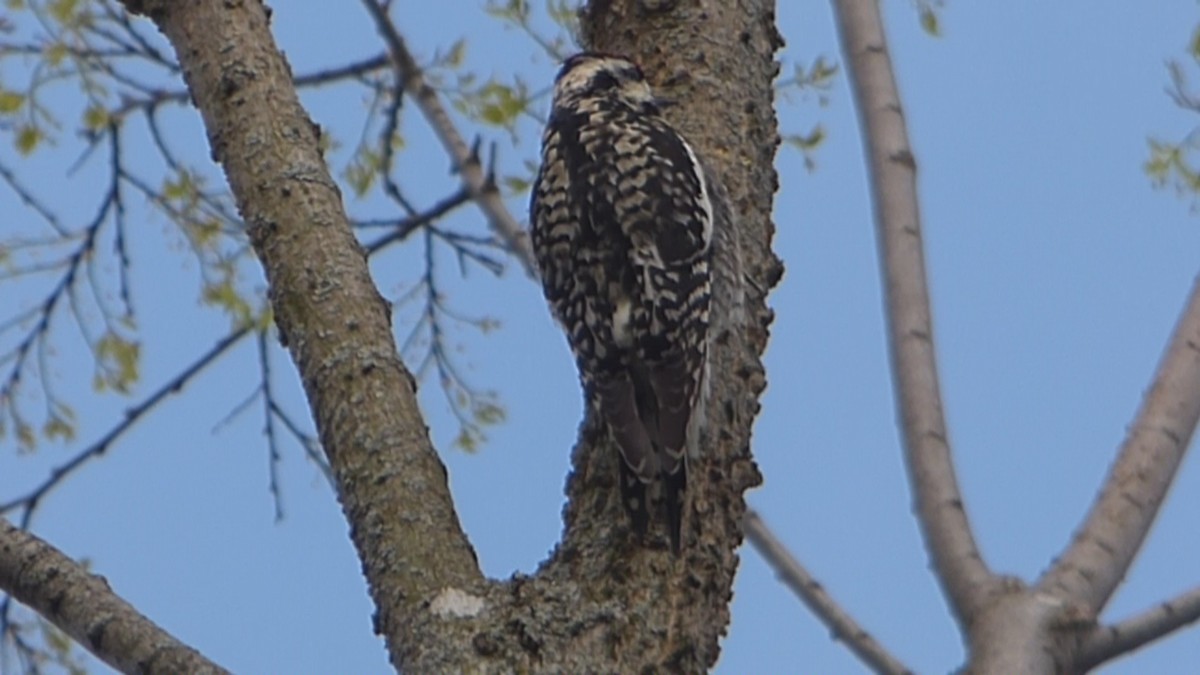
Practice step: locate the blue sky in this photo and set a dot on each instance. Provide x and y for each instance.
(1057, 273)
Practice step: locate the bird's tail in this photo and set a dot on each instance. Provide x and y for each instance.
(674, 488)
(666, 494)
(635, 497)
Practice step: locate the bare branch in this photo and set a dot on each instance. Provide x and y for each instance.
(312, 447)
(349, 70)
(27, 197)
(482, 185)
(1103, 549)
(841, 625)
(354, 69)
(77, 266)
(401, 229)
(963, 574)
(30, 501)
(274, 457)
(84, 606)
(1109, 642)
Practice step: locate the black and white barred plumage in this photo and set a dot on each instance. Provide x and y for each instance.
(621, 226)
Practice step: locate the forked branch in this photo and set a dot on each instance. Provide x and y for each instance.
(964, 576)
(1103, 549)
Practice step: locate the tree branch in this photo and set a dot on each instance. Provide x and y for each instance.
(176, 384)
(841, 625)
(601, 588)
(1109, 642)
(392, 486)
(84, 607)
(482, 185)
(963, 574)
(1103, 549)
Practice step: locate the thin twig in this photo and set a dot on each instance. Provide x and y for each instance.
(400, 230)
(353, 69)
(963, 574)
(465, 159)
(841, 625)
(30, 500)
(268, 395)
(387, 145)
(312, 447)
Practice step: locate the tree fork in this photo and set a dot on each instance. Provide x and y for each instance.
(600, 602)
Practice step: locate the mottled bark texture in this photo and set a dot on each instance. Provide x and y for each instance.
(337, 327)
(83, 606)
(600, 603)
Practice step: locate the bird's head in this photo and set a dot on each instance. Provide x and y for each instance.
(590, 75)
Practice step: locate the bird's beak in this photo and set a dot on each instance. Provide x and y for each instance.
(664, 103)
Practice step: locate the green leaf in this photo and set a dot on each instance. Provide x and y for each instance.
(1163, 156)
(10, 102)
(119, 359)
(466, 441)
(513, 10)
(563, 13)
(206, 233)
(500, 104)
(55, 53)
(225, 296)
(516, 184)
(929, 22)
(27, 139)
(809, 141)
(57, 427)
(25, 436)
(489, 413)
(95, 118)
(183, 188)
(807, 144)
(64, 10)
(362, 171)
(458, 52)
(265, 318)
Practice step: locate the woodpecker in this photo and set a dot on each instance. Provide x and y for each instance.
(621, 224)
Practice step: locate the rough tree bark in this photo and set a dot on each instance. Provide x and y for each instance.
(599, 602)
(83, 606)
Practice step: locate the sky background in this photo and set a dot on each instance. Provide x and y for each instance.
(1057, 272)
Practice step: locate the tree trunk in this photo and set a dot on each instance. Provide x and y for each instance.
(601, 602)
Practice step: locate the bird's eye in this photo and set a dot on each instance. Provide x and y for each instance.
(604, 80)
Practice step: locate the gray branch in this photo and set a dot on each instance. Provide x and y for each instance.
(1108, 642)
(1103, 549)
(83, 606)
(964, 576)
(841, 625)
